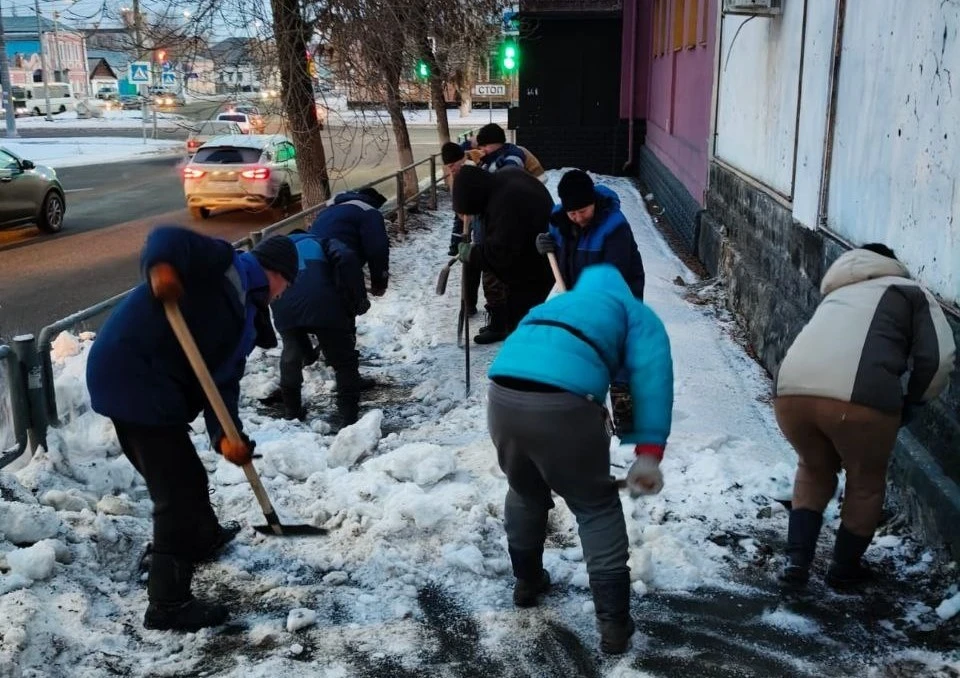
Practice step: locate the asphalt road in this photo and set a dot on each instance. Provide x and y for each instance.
(111, 209)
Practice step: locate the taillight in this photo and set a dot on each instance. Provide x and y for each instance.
(192, 144)
(257, 173)
(191, 173)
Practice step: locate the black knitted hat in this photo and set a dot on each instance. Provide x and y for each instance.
(491, 133)
(278, 254)
(576, 190)
(451, 152)
(471, 190)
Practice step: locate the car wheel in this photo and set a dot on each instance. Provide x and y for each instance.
(283, 200)
(200, 212)
(63, 109)
(51, 213)
(36, 112)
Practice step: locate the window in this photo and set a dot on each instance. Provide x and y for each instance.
(227, 155)
(704, 26)
(8, 163)
(678, 24)
(693, 14)
(657, 11)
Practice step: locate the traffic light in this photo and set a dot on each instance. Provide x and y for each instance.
(422, 70)
(509, 57)
(161, 56)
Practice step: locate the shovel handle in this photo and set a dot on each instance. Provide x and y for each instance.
(185, 337)
(555, 267)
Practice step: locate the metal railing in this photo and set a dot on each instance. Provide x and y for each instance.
(29, 363)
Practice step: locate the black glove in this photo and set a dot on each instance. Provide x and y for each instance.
(546, 244)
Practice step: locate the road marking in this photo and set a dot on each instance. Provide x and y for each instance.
(77, 190)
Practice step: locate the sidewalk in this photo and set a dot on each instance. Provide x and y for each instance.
(413, 577)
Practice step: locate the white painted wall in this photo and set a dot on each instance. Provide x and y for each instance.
(758, 94)
(812, 130)
(895, 175)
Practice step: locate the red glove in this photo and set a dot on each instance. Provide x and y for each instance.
(651, 449)
(239, 452)
(165, 282)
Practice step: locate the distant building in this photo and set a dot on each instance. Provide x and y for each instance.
(65, 51)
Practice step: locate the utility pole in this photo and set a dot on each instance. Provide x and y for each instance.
(43, 62)
(11, 112)
(58, 67)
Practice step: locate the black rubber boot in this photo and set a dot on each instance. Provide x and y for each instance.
(172, 607)
(225, 535)
(348, 410)
(496, 330)
(611, 600)
(532, 579)
(847, 571)
(292, 404)
(802, 533)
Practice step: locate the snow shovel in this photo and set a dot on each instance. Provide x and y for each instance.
(184, 336)
(552, 258)
(444, 276)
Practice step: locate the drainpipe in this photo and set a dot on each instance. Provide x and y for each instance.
(633, 81)
(831, 119)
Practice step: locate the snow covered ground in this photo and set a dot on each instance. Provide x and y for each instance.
(76, 151)
(110, 120)
(413, 578)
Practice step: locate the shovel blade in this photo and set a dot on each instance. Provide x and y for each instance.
(442, 280)
(292, 530)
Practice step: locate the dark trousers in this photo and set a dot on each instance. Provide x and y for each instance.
(184, 524)
(558, 442)
(339, 352)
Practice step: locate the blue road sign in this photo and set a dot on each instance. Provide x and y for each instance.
(167, 66)
(139, 73)
(169, 78)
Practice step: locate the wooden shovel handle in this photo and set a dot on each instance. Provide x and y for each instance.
(185, 337)
(555, 267)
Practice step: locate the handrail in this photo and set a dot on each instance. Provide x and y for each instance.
(18, 410)
(398, 206)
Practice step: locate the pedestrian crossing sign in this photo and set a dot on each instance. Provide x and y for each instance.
(169, 78)
(139, 73)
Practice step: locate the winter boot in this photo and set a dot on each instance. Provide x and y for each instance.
(611, 599)
(622, 403)
(292, 405)
(847, 570)
(172, 607)
(225, 534)
(496, 328)
(532, 579)
(802, 533)
(348, 410)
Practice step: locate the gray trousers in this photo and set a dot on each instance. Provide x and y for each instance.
(558, 442)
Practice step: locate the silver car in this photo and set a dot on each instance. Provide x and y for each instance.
(29, 194)
(251, 171)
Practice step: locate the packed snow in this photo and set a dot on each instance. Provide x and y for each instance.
(132, 119)
(414, 563)
(78, 151)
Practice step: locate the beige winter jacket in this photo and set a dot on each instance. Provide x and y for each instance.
(874, 326)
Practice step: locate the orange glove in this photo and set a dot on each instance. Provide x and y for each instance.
(239, 453)
(165, 282)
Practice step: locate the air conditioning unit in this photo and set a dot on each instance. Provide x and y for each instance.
(753, 7)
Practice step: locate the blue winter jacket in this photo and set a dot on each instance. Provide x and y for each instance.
(608, 239)
(137, 372)
(578, 340)
(358, 225)
(329, 291)
(508, 155)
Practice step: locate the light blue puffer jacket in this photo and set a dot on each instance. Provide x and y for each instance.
(616, 331)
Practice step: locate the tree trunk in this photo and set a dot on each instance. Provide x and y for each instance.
(466, 91)
(400, 133)
(298, 100)
(437, 99)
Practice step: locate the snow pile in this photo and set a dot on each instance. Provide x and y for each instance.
(61, 152)
(411, 497)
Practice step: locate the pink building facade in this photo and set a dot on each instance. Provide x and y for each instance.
(667, 81)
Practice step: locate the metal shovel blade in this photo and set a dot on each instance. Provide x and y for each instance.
(292, 530)
(444, 276)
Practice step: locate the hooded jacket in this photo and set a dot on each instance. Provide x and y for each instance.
(137, 372)
(579, 339)
(329, 291)
(874, 327)
(514, 207)
(359, 225)
(607, 239)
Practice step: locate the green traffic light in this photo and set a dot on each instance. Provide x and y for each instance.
(510, 52)
(422, 69)
(509, 64)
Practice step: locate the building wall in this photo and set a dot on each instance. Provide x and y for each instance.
(759, 95)
(889, 151)
(25, 59)
(896, 147)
